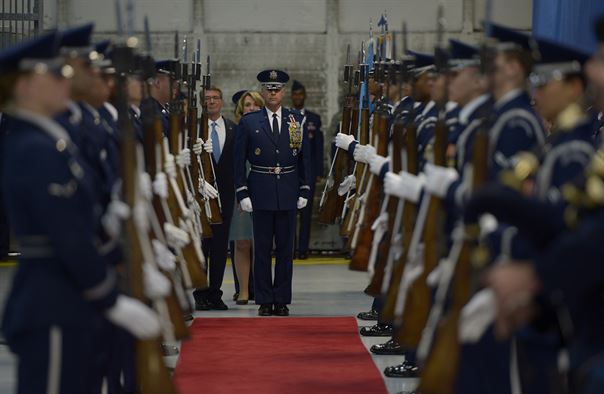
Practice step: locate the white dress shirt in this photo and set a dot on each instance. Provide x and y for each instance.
(220, 129)
(270, 118)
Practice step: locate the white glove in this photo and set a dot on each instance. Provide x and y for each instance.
(376, 163)
(184, 158)
(476, 316)
(198, 147)
(170, 166)
(135, 317)
(160, 185)
(363, 153)
(246, 205)
(207, 146)
(141, 218)
(349, 183)
(403, 185)
(207, 191)
(157, 286)
(343, 141)
(301, 202)
(144, 181)
(438, 179)
(175, 236)
(164, 257)
(112, 219)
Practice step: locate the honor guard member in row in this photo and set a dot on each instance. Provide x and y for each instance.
(275, 142)
(52, 206)
(315, 139)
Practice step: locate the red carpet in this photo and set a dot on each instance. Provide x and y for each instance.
(305, 355)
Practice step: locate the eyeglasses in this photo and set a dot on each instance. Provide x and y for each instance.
(213, 98)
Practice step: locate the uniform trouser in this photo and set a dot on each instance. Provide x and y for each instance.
(305, 220)
(216, 251)
(56, 360)
(484, 367)
(4, 233)
(280, 226)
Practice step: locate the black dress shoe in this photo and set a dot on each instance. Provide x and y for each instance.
(303, 255)
(265, 310)
(371, 315)
(405, 370)
(202, 305)
(281, 310)
(218, 305)
(377, 330)
(390, 348)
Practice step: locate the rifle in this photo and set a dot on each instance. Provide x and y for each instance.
(176, 301)
(371, 209)
(197, 175)
(360, 169)
(439, 349)
(401, 244)
(207, 163)
(153, 376)
(354, 128)
(331, 203)
(392, 207)
(418, 301)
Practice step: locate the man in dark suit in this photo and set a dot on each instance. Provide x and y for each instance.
(221, 146)
(275, 143)
(315, 139)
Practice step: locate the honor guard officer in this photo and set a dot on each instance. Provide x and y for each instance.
(51, 205)
(275, 143)
(161, 92)
(315, 139)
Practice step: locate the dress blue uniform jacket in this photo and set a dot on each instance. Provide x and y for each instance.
(90, 134)
(315, 139)
(255, 143)
(516, 128)
(61, 278)
(163, 114)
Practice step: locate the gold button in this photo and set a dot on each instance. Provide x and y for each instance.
(61, 145)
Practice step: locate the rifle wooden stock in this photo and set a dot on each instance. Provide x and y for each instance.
(419, 300)
(409, 214)
(333, 203)
(360, 258)
(208, 170)
(353, 212)
(440, 368)
(189, 254)
(206, 229)
(175, 310)
(375, 286)
(152, 374)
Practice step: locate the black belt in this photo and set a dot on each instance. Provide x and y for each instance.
(273, 170)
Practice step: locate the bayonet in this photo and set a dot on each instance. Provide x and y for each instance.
(130, 17)
(118, 18)
(148, 36)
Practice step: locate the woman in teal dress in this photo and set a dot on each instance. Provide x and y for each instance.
(241, 224)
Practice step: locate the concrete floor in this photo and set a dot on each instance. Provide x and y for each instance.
(322, 287)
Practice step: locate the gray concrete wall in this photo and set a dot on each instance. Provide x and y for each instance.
(307, 38)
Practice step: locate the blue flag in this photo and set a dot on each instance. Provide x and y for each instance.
(567, 21)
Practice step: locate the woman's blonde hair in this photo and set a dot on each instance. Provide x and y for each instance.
(255, 96)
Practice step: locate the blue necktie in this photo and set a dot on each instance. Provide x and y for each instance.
(215, 143)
